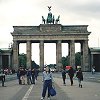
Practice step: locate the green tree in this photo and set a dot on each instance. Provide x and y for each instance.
(65, 61)
(78, 59)
(52, 65)
(22, 60)
(34, 65)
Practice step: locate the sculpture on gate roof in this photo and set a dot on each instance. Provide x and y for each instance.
(50, 18)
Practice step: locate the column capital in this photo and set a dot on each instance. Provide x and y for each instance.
(59, 41)
(28, 40)
(41, 41)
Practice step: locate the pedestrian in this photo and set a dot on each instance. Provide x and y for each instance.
(93, 69)
(64, 76)
(2, 78)
(79, 75)
(29, 76)
(22, 76)
(47, 83)
(36, 73)
(18, 76)
(33, 76)
(71, 75)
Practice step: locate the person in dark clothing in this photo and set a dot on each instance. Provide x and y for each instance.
(2, 78)
(36, 73)
(33, 76)
(71, 75)
(79, 75)
(64, 76)
(29, 76)
(18, 76)
(22, 75)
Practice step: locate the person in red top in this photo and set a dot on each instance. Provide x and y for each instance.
(71, 75)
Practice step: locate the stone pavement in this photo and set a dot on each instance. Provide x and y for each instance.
(90, 90)
(36, 91)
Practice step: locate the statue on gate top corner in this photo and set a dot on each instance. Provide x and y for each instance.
(50, 18)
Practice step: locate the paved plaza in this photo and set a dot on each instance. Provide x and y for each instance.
(90, 90)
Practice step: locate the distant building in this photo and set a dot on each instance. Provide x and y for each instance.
(95, 58)
(6, 58)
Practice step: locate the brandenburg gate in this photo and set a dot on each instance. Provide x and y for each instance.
(50, 31)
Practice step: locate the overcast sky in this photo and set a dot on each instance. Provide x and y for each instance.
(29, 12)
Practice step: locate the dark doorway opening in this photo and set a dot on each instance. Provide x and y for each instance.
(5, 61)
(96, 63)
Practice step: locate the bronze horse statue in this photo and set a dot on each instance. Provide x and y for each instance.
(58, 19)
(43, 20)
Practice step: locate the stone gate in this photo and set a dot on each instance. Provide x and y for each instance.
(52, 33)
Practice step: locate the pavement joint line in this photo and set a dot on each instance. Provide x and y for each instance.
(27, 93)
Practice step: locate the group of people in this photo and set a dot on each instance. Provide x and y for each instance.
(71, 73)
(29, 74)
(48, 79)
(32, 74)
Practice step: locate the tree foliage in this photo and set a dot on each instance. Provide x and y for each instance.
(78, 59)
(65, 60)
(22, 60)
(34, 65)
(52, 65)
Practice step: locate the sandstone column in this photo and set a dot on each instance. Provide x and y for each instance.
(41, 46)
(59, 55)
(15, 55)
(92, 63)
(9, 61)
(85, 56)
(0, 61)
(72, 53)
(28, 54)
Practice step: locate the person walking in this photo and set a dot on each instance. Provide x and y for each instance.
(33, 76)
(36, 73)
(71, 75)
(2, 78)
(93, 69)
(79, 75)
(18, 76)
(29, 76)
(22, 76)
(47, 83)
(64, 76)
